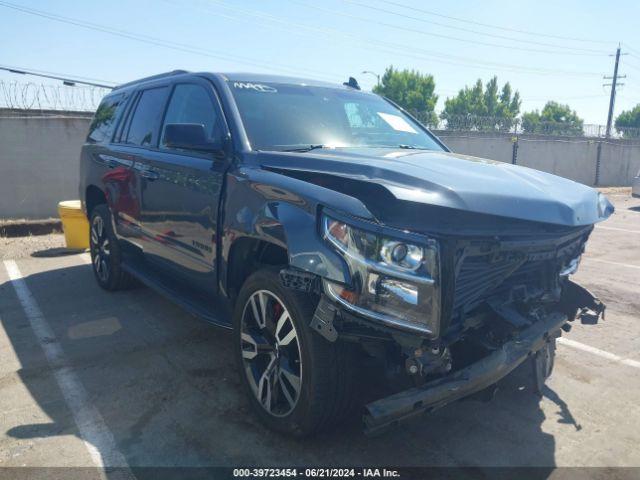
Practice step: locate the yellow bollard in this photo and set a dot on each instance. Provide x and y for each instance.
(74, 225)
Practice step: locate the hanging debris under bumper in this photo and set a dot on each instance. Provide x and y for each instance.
(474, 378)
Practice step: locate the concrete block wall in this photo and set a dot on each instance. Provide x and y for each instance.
(619, 163)
(574, 158)
(39, 159)
(494, 147)
(567, 158)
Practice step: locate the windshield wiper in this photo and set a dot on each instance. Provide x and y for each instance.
(306, 148)
(402, 146)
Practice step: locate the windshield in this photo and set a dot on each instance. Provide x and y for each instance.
(294, 117)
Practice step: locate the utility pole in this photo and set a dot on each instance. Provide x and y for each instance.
(614, 83)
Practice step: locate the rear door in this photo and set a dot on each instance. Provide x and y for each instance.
(135, 140)
(110, 169)
(181, 188)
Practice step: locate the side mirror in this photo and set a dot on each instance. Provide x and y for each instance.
(189, 136)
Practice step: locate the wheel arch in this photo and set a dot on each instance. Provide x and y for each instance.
(94, 196)
(246, 256)
(278, 214)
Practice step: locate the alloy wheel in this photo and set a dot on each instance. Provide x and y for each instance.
(271, 353)
(100, 248)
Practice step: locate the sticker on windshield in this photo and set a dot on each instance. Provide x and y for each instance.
(397, 123)
(258, 87)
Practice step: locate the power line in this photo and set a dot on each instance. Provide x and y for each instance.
(632, 87)
(573, 50)
(497, 27)
(636, 51)
(208, 53)
(153, 40)
(401, 49)
(65, 79)
(624, 96)
(565, 99)
(632, 66)
(634, 56)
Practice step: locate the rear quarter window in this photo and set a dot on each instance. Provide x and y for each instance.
(105, 119)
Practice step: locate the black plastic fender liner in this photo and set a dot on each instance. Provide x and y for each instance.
(578, 302)
(474, 378)
(322, 321)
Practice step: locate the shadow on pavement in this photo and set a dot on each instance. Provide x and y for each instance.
(55, 252)
(167, 387)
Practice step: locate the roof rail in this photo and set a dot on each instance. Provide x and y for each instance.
(152, 77)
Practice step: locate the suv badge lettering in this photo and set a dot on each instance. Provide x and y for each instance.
(258, 87)
(201, 246)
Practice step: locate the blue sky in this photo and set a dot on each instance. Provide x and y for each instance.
(333, 39)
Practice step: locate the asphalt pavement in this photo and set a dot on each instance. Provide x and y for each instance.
(128, 379)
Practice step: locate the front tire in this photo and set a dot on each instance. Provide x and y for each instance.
(298, 383)
(105, 252)
(542, 363)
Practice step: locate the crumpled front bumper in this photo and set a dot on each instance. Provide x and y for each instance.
(391, 410)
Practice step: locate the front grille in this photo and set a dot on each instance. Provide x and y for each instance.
(478, 276)
(481, 276)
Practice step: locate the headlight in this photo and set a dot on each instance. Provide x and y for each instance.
(401, 254)
(395, 281)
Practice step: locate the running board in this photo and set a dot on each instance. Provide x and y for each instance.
(215, 311)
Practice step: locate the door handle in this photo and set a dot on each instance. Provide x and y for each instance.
(108, 161)
(149, 174)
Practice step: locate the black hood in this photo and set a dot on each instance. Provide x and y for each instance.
(458, 182)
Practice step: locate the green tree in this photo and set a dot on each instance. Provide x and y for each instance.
(628, 123)
(555, 119)
(480, 108)
(412, 90)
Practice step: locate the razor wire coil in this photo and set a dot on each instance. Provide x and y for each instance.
(43, 97)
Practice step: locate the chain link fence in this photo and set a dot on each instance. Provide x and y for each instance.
(518, 126)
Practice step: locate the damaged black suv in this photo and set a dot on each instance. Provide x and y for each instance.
(329, 229)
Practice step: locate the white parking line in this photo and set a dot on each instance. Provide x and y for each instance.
(617, 229)
(600, 353)
(617, 264)
(94, 432)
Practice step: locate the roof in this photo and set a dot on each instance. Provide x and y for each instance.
(266, 78)
(240, 77)
(152, 77)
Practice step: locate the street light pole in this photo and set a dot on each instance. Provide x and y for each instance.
(374, 74)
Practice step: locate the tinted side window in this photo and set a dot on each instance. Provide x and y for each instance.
(146, 119)
(104, 121)
(192, 104)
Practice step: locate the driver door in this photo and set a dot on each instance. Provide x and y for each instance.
(180, 188)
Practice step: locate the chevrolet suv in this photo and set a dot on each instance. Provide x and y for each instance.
(327, 228)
